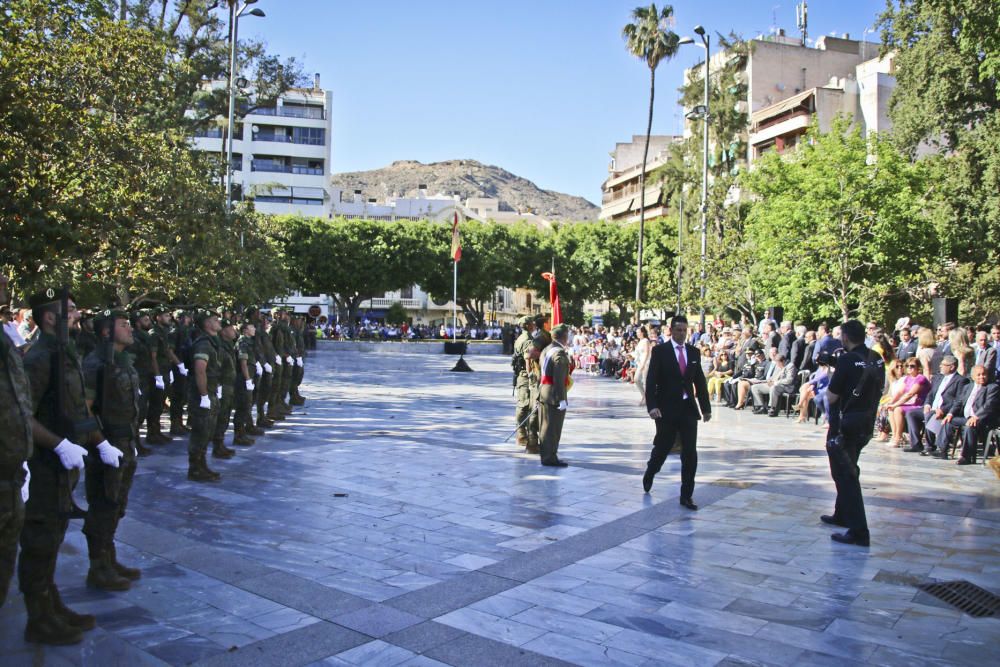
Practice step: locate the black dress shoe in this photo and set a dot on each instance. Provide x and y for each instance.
(558, 463)
(688, 503)
(772, 413)
(850, 538)
(966, 462)
(647, 482)
(914, 448)
(927, 452)
(832, 520)
(940, 454)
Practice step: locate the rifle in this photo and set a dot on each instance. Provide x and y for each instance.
(65, 427)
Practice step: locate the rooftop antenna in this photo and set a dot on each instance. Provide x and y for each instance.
(802, 20)
(774, 19)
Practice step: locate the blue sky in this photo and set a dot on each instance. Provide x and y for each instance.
(542, 88)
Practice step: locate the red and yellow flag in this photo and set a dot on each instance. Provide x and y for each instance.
(456, 241)
(553, 297)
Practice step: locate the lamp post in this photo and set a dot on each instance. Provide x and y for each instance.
(703, 111)
(234, 20)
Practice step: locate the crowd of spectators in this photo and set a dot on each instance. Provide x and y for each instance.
(373, 330)
(941, 392)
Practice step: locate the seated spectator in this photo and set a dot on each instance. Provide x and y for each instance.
(973, 414)
(814, 390)
(722, 370)
(784, 380)
(962, 350)
(907, 344)
(915, 389)
(926, 348)
(706, 356)
(945, 388)
(753, 373)
(895, 380)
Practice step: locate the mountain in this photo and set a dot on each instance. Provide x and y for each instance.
(467, 178)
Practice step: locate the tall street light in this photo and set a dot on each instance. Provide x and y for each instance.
(234, 21)
(702, 110)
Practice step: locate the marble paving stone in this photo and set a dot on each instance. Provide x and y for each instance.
(390, 500)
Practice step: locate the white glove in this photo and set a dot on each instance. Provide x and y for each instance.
(299, 361)
(289, 360)
(158, 379)
(260, 369)
(277, 360)
(70, 455)
(206, 402)
(170, 374)
(218, 391)
(27, 481)
(110, 455)
(250, 385)
(562, 406)
(182, 369)
(267, 367)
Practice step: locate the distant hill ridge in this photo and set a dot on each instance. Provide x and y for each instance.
(467, 178)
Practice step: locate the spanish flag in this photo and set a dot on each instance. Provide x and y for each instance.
(456, 241)
(553, 297)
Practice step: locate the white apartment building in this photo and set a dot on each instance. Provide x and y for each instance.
(421, 206)
(620, 198)
(281, 153)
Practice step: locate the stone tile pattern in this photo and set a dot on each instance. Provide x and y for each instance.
(386, 523)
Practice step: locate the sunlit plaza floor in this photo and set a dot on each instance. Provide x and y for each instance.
(386, 523)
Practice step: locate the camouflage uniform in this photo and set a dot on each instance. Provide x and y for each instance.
(202, 420)
(15, 450)
(527, 427)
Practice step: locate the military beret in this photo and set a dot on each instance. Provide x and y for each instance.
(525, 321)
(203, 314)
(179, 313)
(102, 317)
(226, 322)
(540, 319)
(159, 310)
(144, 312)
(46, 297)
(559, 329)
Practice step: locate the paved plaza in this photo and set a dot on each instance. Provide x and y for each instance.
(386, 523)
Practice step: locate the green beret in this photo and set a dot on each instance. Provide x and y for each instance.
(559, 329)
(104, 316)
(203, 314)
(179, 313)
(225, 322)
(525, 321)
(45, 298)
(145, 312)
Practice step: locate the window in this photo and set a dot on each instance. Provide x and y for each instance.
(314, 136)
(406, 292)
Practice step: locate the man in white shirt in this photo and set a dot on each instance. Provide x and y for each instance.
(975, 412)
(944, 388)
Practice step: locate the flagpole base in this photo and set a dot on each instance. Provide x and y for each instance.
(461, 366)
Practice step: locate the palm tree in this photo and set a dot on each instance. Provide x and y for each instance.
(648, 37)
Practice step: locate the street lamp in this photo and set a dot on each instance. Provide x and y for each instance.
(702, 110)
(234, 20)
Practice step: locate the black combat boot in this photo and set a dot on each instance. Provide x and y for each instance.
(67, 615)
(241, 438)
(130, 573)
(220, 451)
(198, 470)
(177, 427)
(44, 626)
(103, 576)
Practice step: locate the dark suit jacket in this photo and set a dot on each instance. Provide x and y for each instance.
(990, 361)
(951, 392)
(797, 352)
(807, 359)
(986, 407)
(665, 388)
(907, 350)
(785, 345)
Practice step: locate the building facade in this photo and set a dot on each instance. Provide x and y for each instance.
(281, 153)
(620, 195)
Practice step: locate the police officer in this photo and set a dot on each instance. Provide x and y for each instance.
(144, 362)
(62, 420)
(227, 380)
(180, 338)
(113, 394)
(525, 411)
(203, 394)
(853, 397)
(244, 385)
(16, 417)
(163, 352)
(265, 356)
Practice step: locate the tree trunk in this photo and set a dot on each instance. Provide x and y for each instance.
(642, 197)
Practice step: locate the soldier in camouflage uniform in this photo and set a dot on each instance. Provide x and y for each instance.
(54, 465)
(299, 353)
(203, 394)
(246, 377)
(526, 425)
(180, 338)
(265, 356)
(16, 417)
(227, 379)
(163, 351)
(144, 362)
(86, 341)
(112, 386)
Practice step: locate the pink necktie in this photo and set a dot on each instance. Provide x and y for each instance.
(680, 359)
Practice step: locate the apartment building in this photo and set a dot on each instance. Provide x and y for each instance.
(281, 153)
(620, 198)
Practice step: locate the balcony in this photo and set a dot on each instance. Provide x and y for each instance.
(411, 304)
(285, 139)
(317, 113)
(262, 165)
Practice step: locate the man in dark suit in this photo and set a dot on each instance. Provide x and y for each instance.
(986, 355)
(945, 388)
(676, 398)
(808, 362)
(768, 336)
(907, 345)
(975, 412)
(787, 338)
(798, 348)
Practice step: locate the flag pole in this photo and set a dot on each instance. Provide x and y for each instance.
(454, 304)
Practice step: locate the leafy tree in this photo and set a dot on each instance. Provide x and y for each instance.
(837, 224)
(650, 39)
(396, 314)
